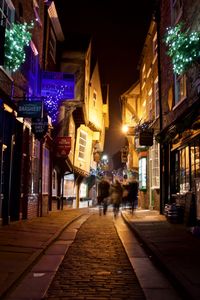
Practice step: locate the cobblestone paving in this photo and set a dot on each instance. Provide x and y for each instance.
(96, 266)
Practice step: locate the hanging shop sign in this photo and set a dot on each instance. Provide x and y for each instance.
(58, 84)
(146, 138)
(30, 109)
(62, 146)
(39, 127)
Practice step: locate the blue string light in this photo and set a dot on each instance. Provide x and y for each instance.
(52, 103)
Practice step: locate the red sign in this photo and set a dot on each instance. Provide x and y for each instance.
(62, 146)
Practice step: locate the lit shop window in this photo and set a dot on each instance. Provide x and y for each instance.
(143, 173)
(45, 171)
(187, 167)
(83, 190)
(184, 170)
(195, 160)
(54, 183)
(82, 145)
(155, 166)
(35, 166)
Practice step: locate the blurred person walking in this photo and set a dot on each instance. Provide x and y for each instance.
(133, 195)
(103, 193)
(116, 192)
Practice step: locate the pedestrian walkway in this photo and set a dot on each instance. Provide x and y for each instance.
(22, 242)
(171, 246)
(96, 266)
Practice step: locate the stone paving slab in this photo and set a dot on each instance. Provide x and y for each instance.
(172, 246)
(149, 276)
(22, 242)
(45, 268)
(96, 266)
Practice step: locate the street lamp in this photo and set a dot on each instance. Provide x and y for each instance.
(128, 130)
(125, 128)
(104, 162)
(105, 158)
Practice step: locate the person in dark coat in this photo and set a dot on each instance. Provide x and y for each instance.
(125, 195)
(102, 196)
(133, 194)
(116, 192)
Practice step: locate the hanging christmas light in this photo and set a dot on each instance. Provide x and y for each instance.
(183, 47)
(16, 38)
(52, 103)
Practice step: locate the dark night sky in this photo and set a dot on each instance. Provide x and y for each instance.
(118, 29)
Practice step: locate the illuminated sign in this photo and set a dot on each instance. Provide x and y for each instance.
(30, 109)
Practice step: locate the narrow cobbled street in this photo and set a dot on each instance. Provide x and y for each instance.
(96, 266)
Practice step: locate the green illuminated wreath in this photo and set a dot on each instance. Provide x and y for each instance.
(183, 47)
(16, 38)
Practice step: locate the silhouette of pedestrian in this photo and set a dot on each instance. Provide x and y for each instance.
(103, 193)
(133, 195)
(116, 192)
(125, 195)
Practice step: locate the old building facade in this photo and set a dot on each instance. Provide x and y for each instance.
(140, 112)
(179, 136)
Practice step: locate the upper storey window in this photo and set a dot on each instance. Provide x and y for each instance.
(7, 13)
(37, 12)
(177, 10)
(82, 145)
(180, 88)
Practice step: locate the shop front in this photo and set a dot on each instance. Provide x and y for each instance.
(185, 165)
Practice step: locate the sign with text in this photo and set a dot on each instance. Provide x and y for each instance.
(57, 84)
(39, 127)
(62, 146)
(30, 109)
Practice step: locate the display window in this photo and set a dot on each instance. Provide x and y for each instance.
(187, 166)
(143, 173)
